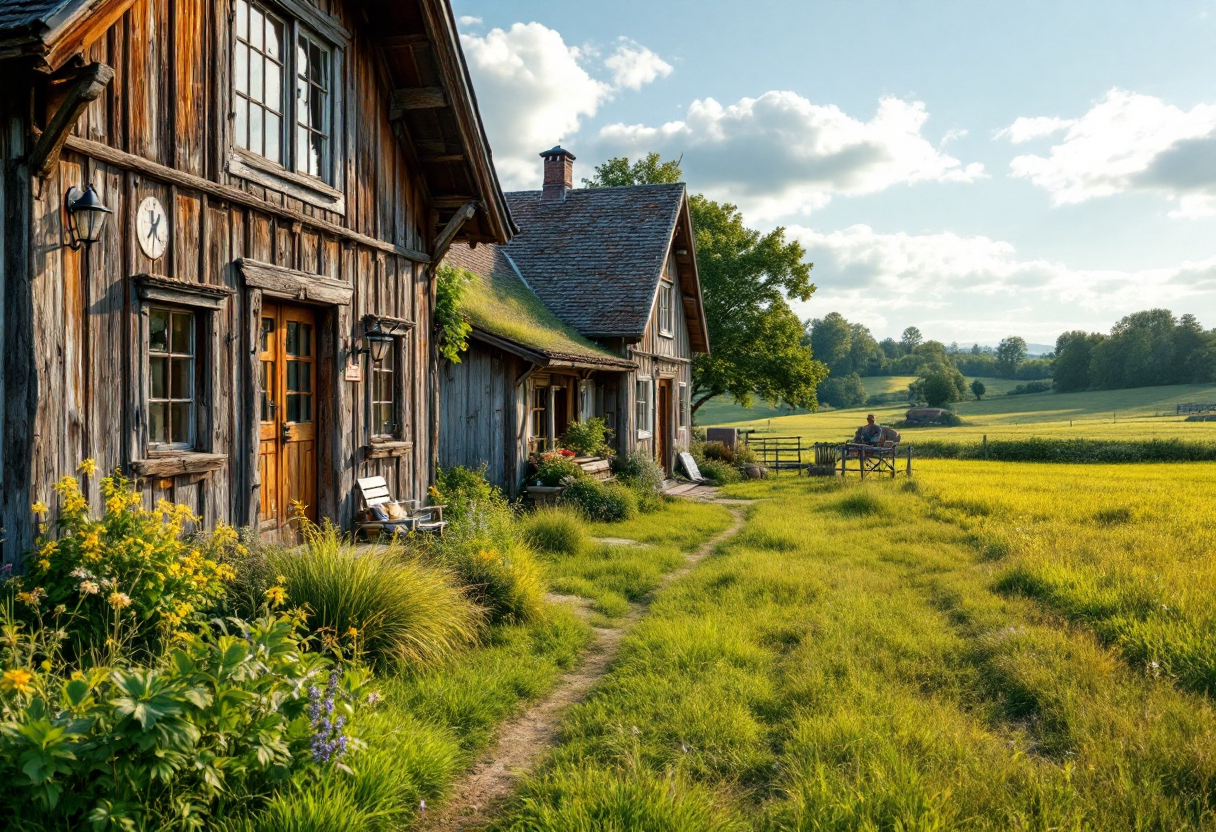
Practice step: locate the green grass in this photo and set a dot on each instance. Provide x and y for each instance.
(613, 577)
(858, 659)
(1143, 413)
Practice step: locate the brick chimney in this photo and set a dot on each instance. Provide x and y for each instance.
(559, 174)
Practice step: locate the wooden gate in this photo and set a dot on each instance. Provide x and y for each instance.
(287, 453)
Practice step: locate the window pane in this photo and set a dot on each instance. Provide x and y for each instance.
(274, 89)
(241, 71)
(383, 419)
(316, 158)
(274, 137)
(181, 374)
(267, 331)
(242, 123)
(293, 338)
(305, 340)
(255, 129)
(267, 381)
(293, 408)
(255, 27)
(274, 38)
(183, 333)
(305, 377)
(180, 421)
(306, 408)
(257, 66)
(158, 330)
(242, 19)
(318, 65)
(159, 388)
(293, 376)
(158, 427)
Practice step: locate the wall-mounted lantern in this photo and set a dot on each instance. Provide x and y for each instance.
(86, 216)
(378, 343)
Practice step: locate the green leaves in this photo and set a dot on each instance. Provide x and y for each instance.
(450, 323)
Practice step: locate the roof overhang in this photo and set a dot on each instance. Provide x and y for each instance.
(684, 245)
(541, 359)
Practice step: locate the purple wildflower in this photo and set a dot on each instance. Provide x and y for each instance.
(328, 740)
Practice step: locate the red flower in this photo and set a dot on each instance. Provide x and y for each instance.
(566, 452)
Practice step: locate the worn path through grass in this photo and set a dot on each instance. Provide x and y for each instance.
(523, 741)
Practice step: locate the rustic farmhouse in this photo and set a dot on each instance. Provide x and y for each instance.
(221, 222)
(609, 277)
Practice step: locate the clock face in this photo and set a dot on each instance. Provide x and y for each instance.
(152, 228)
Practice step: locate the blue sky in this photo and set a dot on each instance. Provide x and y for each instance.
(973, 169)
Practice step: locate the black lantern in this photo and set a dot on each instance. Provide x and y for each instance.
(378, 343)
(86, 216)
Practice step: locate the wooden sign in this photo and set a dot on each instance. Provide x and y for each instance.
(354, 371)
(690, 466)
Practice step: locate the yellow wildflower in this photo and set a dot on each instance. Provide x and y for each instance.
(44, 564)
(277, 596)
(88, 467)
(33, 597)
(77, 676)
(18, 680)
(39, 507)
(89, 588)
(352, 632)
(49, 548)
(119, 600)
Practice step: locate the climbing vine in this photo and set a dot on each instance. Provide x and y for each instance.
(451, 328)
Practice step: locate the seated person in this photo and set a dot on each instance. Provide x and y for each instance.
(870, 433)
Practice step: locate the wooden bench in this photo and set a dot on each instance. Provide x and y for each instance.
(414, 517)
(878, 458)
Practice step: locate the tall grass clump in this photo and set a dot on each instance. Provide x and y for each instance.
(555, 531)
(642, 475)
(601, 503)
(485, 550)
(391, 605)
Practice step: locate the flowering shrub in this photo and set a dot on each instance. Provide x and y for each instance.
(601, 503)
(588, 438)
(131, 571)
(224, 713)
(555, 468)
(459, 488)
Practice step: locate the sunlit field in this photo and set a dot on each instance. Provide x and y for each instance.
(988, 646)
(1138, 414)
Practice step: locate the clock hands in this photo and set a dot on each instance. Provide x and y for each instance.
(153, 225)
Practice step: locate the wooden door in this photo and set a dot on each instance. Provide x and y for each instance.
(287, 453)
(662, 438)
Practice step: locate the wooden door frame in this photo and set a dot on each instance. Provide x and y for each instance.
(664, 429)
(335, 429)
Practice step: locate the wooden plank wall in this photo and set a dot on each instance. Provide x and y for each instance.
(480, 421)
(168, 104)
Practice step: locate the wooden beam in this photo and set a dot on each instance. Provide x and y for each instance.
(417, 98)
(87, 87)
(234, 196)
(444, 241)
(441, 157)
(278, 281)
(400, 41)
(459, 201)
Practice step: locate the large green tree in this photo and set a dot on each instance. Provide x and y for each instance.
(1009, 354)
(746, 280)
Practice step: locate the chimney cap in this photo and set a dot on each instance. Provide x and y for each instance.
(558, 150)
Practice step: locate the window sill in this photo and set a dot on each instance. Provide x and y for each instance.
(645, 434)
(387, 449)
(670, 333)
(307, 189)
(176, 463)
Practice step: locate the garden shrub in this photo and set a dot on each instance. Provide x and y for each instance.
(486, 553)
(555, 468)
(1072, 451)
(588, 438)
(133, 569)
(459, 488)
(601, 503)
(225, 713)
(642, 475)
(555, 531)
(718, 451)
(382, 604)
(718, 472)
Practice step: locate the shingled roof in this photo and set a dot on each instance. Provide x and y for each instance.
(595, 257)
(503, 308)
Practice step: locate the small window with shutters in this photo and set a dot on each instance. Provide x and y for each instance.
(172, 391)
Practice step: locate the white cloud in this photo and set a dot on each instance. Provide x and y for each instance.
(633, 66)
(1127, 142)
(780, 153)
(1026, 129)
(468, 20)
(535, 90)
(977, 289)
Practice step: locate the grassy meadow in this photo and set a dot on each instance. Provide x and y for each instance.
(1142, 413)
(988, 646)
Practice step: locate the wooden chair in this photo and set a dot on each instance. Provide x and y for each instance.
(374, 493)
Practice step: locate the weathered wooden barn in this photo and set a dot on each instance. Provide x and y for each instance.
(252, 325)
(618, 267)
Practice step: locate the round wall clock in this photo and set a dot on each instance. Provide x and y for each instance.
(152, 228)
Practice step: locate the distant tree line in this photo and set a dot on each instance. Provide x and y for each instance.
(1144, 349)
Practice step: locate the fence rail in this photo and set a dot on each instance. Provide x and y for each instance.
(779, 453)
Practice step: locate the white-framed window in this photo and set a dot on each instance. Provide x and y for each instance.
(667, 323)
(644, 407)
(385, 424)
(538, 424)
(172, 391)
(683, 414)
(283, 84)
